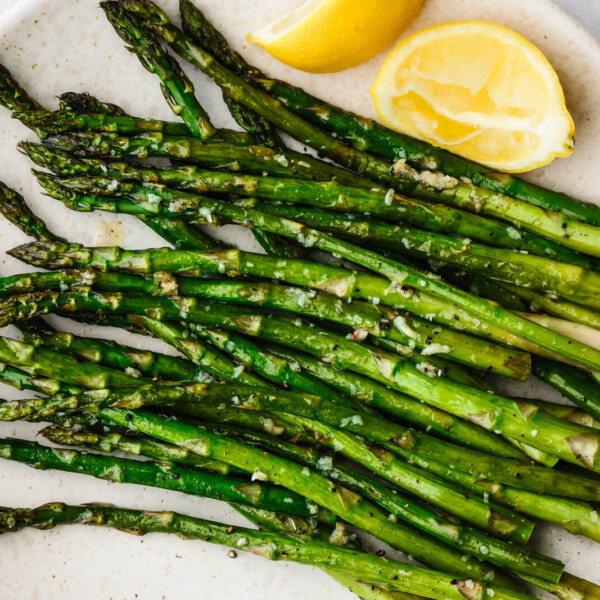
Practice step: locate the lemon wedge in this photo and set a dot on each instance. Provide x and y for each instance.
(480, 90)
(325, 36)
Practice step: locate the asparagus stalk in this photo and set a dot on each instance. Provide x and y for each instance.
(177, 89)
(456, 373)
(567, 412)
(46, 123)
(13, 207)
(178, 233)
(500, 553)
(179, 92)
(22, 380)
(88, 113)
(371, 136)
(522, 270)
(117, 356)
(352, 505)
(12, 95)
(398, 273)
(274, 522)
(99, 439)
(400, 576)
(374, 394)
(579, 235)
(245, 117)
(438, 451)
(405, 442)
(572, 515)
(514, 419)
(295, 477)
(576, 385)
(46, 363)
(252, 159)
(341, 282)
(268, 366)
(362, 317)
(164, 475)
(415, 480)
(344, 473)
(366, 391)
(482, 286)
(576, 517)
(82, 102)
(331, 195)
(558, 307)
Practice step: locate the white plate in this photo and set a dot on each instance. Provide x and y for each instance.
(54, 47)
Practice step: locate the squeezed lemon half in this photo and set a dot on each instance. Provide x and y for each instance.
(480, 90)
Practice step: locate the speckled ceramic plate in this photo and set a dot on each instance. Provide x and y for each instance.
(57, 46)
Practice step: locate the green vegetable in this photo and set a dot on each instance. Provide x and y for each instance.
(401, 576)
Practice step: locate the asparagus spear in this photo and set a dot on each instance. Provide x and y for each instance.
(274, 522)
(362, 317)
(252, 420)
(371, 136)
(574, 516)
(352, 505)
(179, 92)
(370, 393)
(88, 110)
(467, 540)
(117, 356)
(556, 306)
(22, 380)
(567, 412)
(354, 508)
(82, 102)
(164, 475)
(576, 385)
(46, 123)
(108, 439)
(178, 233)
(520, 421)
(332, 195)
(173, 334)
(395, 575)
(482, 286)
(13, 207)
(341, 282)
(177, 89)
(268, 366)
(443, 188)
(522, 270)
(247, 118)
(40, 361)
(399, 274)
(405, 442)
(12, 95)
(253, 159)
(417, 481)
